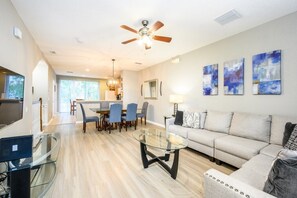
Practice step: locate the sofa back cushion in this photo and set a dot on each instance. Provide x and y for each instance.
(218, 121)
(278, 127)
(252, 126)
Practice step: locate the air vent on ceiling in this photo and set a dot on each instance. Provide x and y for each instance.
(69, 72)
(228, 17)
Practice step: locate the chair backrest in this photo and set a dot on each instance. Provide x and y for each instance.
(115, 114)
(131, 112)
(83, 112)
(144, 108)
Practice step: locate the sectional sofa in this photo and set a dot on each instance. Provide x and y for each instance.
(247, 141)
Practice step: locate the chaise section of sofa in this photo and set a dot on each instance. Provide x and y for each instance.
(220, 185)
(249, 180)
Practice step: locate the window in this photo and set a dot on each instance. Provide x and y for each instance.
(76, 89)
(14, 87)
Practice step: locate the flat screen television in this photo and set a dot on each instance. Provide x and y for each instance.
(11, 96)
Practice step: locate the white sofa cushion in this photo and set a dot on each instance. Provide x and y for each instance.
(278, 128)
(218, 121)
(251, 126)
(238, 146)
(179, 130)
(255, 171)
(271, 150)
(204, 137)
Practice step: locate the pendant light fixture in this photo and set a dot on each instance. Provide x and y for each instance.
(112, 82)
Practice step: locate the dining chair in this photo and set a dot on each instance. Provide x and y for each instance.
(143, 112)
(130, 115)
(115, 117)
(72, 107)
(87, 119)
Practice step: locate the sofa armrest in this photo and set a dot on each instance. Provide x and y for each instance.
(220, 185)
(169, 121)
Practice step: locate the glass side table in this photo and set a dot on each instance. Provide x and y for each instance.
(38, 171)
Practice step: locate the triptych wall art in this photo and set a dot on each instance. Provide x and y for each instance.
(210, 80)
(233, 77)
(266, 69)
(267, 73)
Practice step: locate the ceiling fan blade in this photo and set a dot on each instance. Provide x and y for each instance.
(162, 38)
(129, 29)
(128, 41)
(147, 47)
(156, 26)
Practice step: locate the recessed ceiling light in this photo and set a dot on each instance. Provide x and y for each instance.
(87, 70)
(53, 52)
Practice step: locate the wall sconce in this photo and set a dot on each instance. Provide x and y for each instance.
(175, 99)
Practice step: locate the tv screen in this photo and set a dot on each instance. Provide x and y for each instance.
(11, 96)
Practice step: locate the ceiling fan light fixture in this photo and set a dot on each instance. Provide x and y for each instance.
(145, 40)
(146, 35)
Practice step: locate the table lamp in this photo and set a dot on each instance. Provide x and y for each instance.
(176, 99)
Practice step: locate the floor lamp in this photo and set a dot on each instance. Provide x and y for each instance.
(175, 99)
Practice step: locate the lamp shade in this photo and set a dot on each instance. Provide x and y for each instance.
(176, 98)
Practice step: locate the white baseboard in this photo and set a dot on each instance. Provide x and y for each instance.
(155, 123)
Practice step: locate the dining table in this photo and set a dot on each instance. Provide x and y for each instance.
(105, 112)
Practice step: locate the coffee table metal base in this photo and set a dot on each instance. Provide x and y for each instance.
(160, 160)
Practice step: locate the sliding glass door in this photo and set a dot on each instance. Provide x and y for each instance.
(73, 89)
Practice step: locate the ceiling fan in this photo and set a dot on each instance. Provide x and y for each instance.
(146, 34)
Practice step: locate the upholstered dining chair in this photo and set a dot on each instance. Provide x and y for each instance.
(143, 112)
(115, 117)
(130, 115)
(87, 119)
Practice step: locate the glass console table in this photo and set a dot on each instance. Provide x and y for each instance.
(169, 142)
(39, 170)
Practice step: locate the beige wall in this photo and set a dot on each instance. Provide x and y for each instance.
(103, 88)
(186, 77)
(20, 56)
(131, 88)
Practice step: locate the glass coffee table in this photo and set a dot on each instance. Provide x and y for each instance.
(168, 142)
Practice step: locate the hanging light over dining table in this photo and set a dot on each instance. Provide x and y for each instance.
(112, 82)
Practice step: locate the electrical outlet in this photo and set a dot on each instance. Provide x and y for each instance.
(15, 147)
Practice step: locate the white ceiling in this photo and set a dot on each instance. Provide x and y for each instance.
(86, 34)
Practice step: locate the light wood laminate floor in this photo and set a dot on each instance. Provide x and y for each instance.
(98, 164)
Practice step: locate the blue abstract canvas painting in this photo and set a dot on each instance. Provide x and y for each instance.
(267, 73)
(234, 77)
(210, 80)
